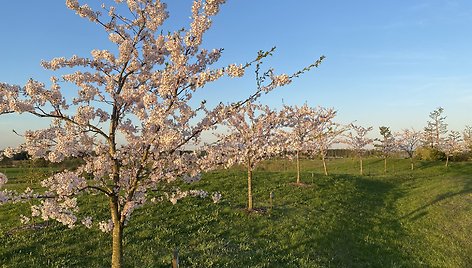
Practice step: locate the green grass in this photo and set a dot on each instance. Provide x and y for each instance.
(420, 218)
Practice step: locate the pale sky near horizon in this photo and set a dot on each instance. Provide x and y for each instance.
(388, 62)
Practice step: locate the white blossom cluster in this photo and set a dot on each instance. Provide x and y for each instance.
(12, 196)
(4, 196)
(106, 226)
(64, 184)
(62, 211)
(453, 144)
(178, 194)
(408, 140)
(357, 138)
(3, 179)
(252, 137)
(235, 71)
(216, 197)
(87, 222)
(309, 130)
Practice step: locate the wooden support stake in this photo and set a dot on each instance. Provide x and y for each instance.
(175, 258)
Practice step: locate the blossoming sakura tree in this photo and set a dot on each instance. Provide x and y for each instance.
(310, 130)
(408, 141)
(132, 116)
(300, 123)
(252, 138)
(467, 137)
(453, 144)
(326, 134)
(357, 140)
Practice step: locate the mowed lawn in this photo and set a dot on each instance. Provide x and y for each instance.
(419, 218)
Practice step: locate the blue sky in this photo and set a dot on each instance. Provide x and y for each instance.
(388, 62)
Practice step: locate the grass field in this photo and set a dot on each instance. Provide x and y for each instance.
(420, 218)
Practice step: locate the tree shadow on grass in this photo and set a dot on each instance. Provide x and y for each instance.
(344, 221)
(421, 164)
(366, 232)
(422, 210)
(460, 174)
(54, 246)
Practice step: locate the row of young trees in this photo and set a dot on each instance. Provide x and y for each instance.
(435, 139)
(256, 132)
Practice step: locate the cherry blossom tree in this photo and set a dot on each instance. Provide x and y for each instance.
(326, 134)
(311, 130)
(301, 122)
(132, 117)
(252, 137)
(386, 144)
(467, 136)
(357, 140)
(452, 145)
(408, 141)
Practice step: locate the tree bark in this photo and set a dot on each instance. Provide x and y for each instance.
(362, 171)
(249, 188)
(385, 165)
(447, 160)
(117, 253)
(117, 235)
(298, 167)
(325, 167)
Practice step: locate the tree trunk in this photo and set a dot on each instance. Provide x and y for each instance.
(298, 167)
(324, 164)
(412, 165)
(447, 160)
(249, 188)
(117, 235)
(437, 134)
(385, 165)
(362, 171)
(117, 253)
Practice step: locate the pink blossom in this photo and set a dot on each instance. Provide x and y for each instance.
(105, 226)
(24, 219)
(3, 179)
(216, 197)
(281, 80)
(87, 222)
(9, 152)
(65, 183)
(235, 71)
(63, 212)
